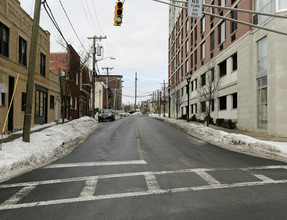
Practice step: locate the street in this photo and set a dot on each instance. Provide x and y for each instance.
(142, 168)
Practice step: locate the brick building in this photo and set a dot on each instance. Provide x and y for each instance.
(111, 87)
(67, 66)
(15, 41)
(248, 63)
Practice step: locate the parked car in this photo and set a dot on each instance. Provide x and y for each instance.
(106, 114)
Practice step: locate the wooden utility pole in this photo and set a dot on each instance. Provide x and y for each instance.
(136, 79)
(31, 73)
(107, 81)
(94, 71)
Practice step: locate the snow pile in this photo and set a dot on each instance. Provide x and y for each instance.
(18, 157)
(235, 142)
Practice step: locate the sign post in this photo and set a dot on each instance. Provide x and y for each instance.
(194, 8)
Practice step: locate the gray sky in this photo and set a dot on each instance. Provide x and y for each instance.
(139, 45)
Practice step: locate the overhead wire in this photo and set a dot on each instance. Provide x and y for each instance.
(87, 17)
(72, 26)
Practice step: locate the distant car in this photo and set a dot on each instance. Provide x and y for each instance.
(106, 115)
(122, 113)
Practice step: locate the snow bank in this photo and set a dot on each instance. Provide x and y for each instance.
(50, 144)
(235, 142)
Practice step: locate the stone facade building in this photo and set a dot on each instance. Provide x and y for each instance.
(15, 41)
(248, 62)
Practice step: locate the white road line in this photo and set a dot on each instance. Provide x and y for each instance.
(18, 196)
(151, 182)
(265, 167)
(208, 178)
(89, 164)
(121, 175)
(89, 188)
(137, 194)
(263, 178)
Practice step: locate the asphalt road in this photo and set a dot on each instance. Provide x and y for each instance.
(142, 168)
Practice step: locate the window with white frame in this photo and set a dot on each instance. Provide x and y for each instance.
(266, 6)
(262, 55)
(71, 102)
(202, 24)
(222, 32)
(2, 99)
(186, 46)
(281, 5)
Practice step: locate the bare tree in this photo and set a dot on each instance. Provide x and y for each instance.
(207, 93)
(177, 100)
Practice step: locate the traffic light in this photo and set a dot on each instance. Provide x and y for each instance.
(118, 14)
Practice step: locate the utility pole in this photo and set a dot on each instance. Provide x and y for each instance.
(107, 81)
(94, 71)
(164, 98)
(136, 90)
(31, 73)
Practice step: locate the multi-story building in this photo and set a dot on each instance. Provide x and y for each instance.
(15, 42)
(108, 92)
(247, 62)
(67, 66)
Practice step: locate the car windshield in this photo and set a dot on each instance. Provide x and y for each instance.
(106, 111)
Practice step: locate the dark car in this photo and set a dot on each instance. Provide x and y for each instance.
(106, 114)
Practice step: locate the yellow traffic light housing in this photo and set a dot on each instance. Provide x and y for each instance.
(118, 14)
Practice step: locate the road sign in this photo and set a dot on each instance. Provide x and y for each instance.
(154, 108)
(194, 8)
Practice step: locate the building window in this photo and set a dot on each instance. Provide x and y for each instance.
(221, 32)
(212, 105)
(71, 102)
(2, 99)
(195, 57)
(212, 41)
(186, 46)
(23, 102)
(281, 5)
(266, 6)
(222, 68)
(195, 34)
(52, 101)
(202, 50)
(22, 51)
(232, 2)
(203, 79)
(262, 55)
(4, 40)
(203, 106)
(233, 15)
(186, 66)
(43, 64)
(212, 74)
(202, 27)
(76, 103)
(222, 103)
(234, 62)
(262, 103)
(234, 100)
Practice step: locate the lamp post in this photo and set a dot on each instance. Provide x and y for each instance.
(188, 78)
(169, 87)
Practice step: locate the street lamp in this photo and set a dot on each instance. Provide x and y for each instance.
(188, 78)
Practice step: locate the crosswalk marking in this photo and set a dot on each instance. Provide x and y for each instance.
(91, 164)
(153, 187)
(263, 178)
(18, 196)
(89, 188)
(208, 178)
(151, 182)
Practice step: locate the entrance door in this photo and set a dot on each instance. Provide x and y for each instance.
(11, 113)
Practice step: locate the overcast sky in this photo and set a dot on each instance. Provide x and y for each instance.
(139, 45)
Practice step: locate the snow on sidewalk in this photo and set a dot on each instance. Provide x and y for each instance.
(235, 142)
(46, 146)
